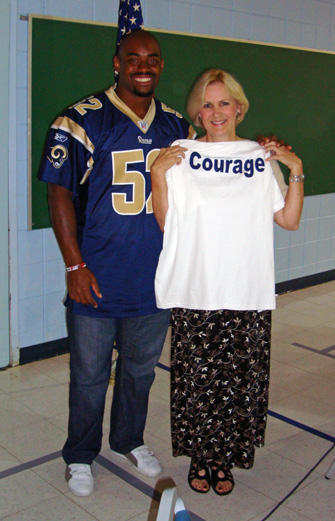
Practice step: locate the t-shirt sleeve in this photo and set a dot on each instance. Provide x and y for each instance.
(279, 201)
(68, 155)
(279, 177)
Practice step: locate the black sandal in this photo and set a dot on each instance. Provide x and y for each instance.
(216, 479)
(194, 474)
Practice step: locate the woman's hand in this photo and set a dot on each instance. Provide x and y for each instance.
(166, 158)
(285, 156)
(263, 140)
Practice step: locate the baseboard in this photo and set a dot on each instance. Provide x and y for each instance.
(305, 282)
(44, 350)
(59, 347)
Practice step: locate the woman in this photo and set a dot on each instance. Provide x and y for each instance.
(215, 199)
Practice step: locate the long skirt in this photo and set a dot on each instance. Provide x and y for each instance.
(219, 384)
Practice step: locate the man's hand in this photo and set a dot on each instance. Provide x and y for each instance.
(79, 285)
(263, 140)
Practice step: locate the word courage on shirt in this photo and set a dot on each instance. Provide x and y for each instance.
(227, 166)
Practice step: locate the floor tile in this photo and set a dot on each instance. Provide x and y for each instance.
(23, 490)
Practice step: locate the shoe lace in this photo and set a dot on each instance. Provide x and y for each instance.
(80, 469)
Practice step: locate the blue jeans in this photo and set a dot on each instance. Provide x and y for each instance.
(139, 342)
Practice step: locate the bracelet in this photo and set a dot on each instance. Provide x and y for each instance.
(76, 267)
(296, 178)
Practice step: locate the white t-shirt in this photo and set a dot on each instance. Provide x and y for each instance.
(218, 237)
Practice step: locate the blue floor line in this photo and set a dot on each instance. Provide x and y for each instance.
(136, 483)
(151, 492)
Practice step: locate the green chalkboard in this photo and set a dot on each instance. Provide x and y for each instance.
(291, 91)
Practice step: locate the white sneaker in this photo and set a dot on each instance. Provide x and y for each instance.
(79, 479)
(144, 460)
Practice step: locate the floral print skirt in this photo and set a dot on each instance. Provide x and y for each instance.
(219, 384)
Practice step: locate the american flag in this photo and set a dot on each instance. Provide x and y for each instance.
(130, 18)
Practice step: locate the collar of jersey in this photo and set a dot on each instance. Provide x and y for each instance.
(149, 117)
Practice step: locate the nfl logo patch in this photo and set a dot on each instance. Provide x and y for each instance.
(143, 124)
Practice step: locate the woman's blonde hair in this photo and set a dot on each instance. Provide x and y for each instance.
(197, 95)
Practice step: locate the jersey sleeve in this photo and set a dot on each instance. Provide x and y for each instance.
(68, 155)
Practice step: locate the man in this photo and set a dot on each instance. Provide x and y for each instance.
(97, 166)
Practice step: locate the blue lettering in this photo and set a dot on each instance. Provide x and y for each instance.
(192, 164)
(249, 168)
(238, 167)
(218, 165)
(260, 164)
(207, 164)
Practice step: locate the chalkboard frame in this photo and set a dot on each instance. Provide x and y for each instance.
(283, 84)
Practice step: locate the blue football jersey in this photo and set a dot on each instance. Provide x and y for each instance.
(102, 152)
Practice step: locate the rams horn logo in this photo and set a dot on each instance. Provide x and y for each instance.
(59, 154)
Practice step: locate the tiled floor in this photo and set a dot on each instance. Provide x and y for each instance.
(289, 472)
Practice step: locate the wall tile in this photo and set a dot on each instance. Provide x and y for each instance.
(201, 20)
(308, 36)
(243, 5)
(54, 277)
(180, 17)
(323, 266)
(260, 7)
(277, 30)
(241, 25)
(281, 276)
(323, 13)
(310, 252)
(54, 310)
(292, 34)
(323, 37)
(22, 213)
(324, 250)
(327, 206)
(21, 107)
(50, 246)
(309, 12)
(22, 70)
(332, 253)
(298, 236)
(21, 135)
(30, 281)
(281, 259)
(108, 11)
(295, 273)
(22, 35)
(31, 314)
(325, 227)
(55, 7)
(259, 28)
(222, 22)
(82, 10)
(157, 14)
(224, 4)
(294, 10)
(296, 256)
(281, 237)
(308, 269)
(53, 333)
(30, 247)
(311, 230)
(22, 177)
(30, 6)
(312, 206)
(277, 9)
(31, 338)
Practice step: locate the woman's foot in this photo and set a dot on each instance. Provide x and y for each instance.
(199, 478)
(222, 480)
